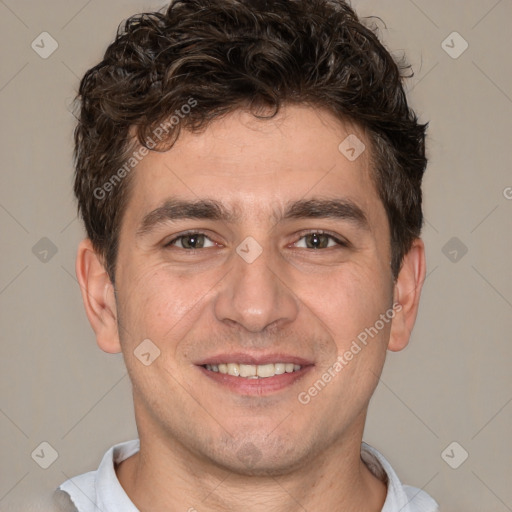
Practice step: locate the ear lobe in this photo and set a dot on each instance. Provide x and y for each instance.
(98, 297)
(407, 296)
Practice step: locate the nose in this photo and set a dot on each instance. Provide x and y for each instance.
(256, 295)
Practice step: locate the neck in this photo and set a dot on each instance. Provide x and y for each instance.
(165, 476)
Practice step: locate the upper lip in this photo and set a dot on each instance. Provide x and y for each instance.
(244, 358)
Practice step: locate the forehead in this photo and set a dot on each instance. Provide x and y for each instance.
(257, 166)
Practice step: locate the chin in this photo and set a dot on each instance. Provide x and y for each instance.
(261, 457)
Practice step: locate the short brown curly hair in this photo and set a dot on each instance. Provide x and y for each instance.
(221, 55)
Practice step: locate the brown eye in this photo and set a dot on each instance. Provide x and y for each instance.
(318, 241)
(191, 241)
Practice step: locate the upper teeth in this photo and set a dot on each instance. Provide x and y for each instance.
(254, 371)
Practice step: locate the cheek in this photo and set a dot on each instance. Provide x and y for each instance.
(156, 311)
(162, 305)
(350, 303)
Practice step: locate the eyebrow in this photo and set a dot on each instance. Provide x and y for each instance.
(342, 209)
(175, 209)
(210, 209)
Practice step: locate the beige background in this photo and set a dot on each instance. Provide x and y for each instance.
(453, 382)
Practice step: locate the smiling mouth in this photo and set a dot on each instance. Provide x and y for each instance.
(253, 371)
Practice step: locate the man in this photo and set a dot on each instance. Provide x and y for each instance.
(249, 175)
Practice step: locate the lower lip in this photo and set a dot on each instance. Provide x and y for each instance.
(257, 387)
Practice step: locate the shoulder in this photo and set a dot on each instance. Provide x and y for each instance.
(56, 501)
(99, 489)
(79, 492)
(399, 497)
(420, 501)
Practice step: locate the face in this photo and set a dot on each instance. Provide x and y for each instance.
(256, 247)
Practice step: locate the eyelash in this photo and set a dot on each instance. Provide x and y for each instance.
(184, 235)
(339, 242)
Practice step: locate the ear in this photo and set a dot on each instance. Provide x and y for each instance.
(98, 296)
(407, 296)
